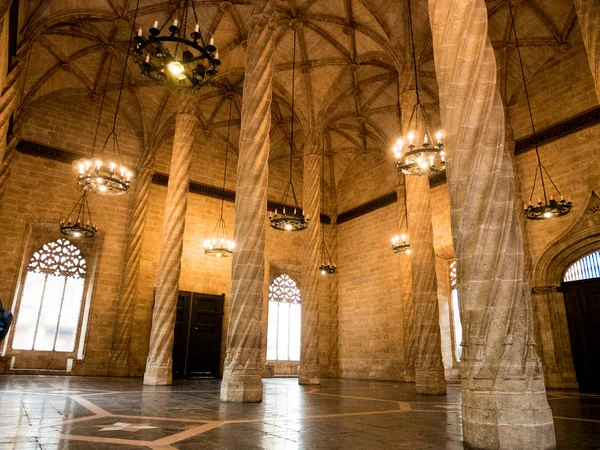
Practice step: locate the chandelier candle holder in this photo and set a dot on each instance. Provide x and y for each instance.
(428, 158)
(177, 60)
(81, 225)
(107, 176)
(218, 244)
(290, 218)
(327, 266)
(547, 207)
(400, 244)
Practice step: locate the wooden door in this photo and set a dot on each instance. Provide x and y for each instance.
(204, 350)
(197, 343)
(582, 301)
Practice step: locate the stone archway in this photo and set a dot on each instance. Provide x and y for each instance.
(552, 330)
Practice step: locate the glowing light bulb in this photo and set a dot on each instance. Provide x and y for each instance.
(403, 238)
(288, 227)
(438, 136)
(176, 68)
(411, 137)
(425, 139)
(408, 252)
(218, 255)
(76, 234)
(102, 188)
(323, 272)
(548, 215)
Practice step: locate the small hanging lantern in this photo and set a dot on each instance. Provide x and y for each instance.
(81, 224)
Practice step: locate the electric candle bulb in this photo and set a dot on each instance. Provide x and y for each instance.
(438, 136)
(211, 40)
(175, 22)
(216, 55)
(147, 58)
(197, 28)
(140, 31)
(404, 238)
(155, 24)
(425, 139)
(411, 137)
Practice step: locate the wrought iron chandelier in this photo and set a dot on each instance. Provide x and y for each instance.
(106, 175)
(82, 224)
(428, 158)
(290, 218)
(176, 60)
(400, 243)
(549, 208)
(327, 266)
(218, 244)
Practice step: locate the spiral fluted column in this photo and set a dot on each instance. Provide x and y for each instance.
(428, 364)
(160, 362)
(588, 16)
(242, 377)
(128, 295)
(311, 205)
(406, 298)
(504, 403)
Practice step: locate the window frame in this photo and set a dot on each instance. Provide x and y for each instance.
(38, 234)
(269, 302)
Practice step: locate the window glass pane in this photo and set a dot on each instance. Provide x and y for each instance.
(69, 318)
(44, 338)
(295, 332)
(272, 332)
(28, 311)
(584, 269)
(283, 331)
(457, 325)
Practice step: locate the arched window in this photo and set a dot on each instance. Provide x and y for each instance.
(584, 269)
(283, 332)
(456, 324)
(50, 306)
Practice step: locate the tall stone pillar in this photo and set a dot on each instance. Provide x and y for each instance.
(504, 403)
(311, 206)
(159, 363)
(242, 378)
(406, 297)
(428, 363)
(126, 304)
(588, 16)
(334, 354)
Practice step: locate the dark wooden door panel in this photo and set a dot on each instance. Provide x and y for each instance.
(582, 301)
(198, 326)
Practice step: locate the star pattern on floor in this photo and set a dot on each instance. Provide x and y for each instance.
(129, 427)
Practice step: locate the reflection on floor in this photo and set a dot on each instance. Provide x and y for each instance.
(106, 413)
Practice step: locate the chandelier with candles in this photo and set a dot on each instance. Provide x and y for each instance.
(218, 244)
(327, 266)
(103, 172)
(177, 60)
(422, 156)
(80, 224)
(290, 218)
(546, 207)
(400, 243)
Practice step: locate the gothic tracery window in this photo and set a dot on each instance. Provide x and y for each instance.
(50, 306)
(456, 324)
(584, 269)
(283, 332)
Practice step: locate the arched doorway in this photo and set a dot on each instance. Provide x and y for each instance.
(581, 288)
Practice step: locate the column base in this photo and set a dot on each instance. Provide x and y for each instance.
(241, 388)
(158, 374)
(309, 374)
(507, 420)
(431, 382)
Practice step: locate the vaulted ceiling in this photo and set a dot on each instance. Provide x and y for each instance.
(349, 54)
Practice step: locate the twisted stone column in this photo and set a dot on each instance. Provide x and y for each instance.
(334, 355)
(588, 16)
(160, 362)
(428, 364)
(120, 348)
(406, 297)
(311, 205)
(242, 377)
(504, 402)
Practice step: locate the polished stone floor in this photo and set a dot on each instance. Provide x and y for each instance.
(112, 413)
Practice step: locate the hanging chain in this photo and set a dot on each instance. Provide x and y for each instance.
(137, 6)
(414, 54)
(292, 127)
(226, 155)
(102, 102)
(535, 140)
